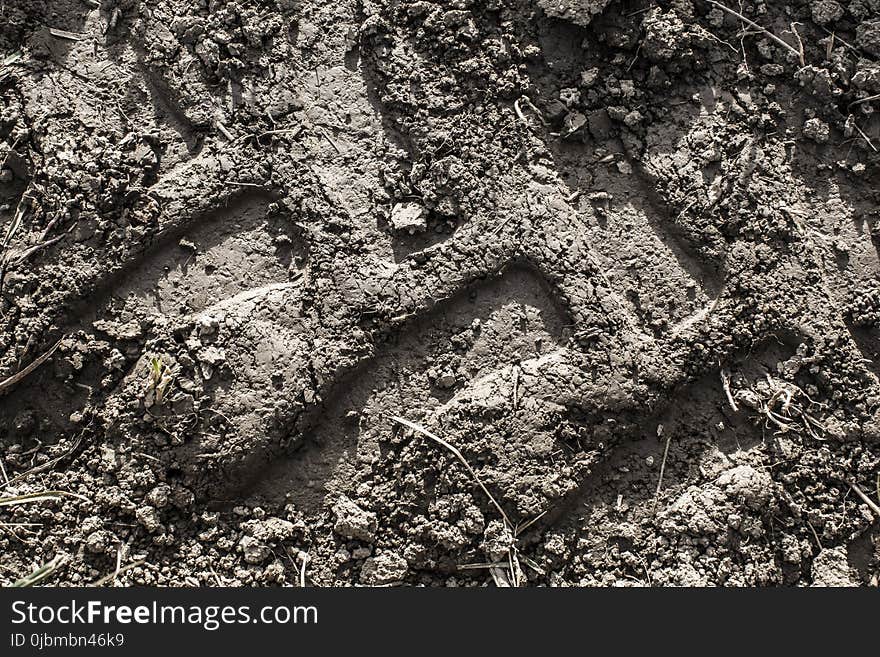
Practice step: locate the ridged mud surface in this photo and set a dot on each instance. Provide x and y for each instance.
(305, 260)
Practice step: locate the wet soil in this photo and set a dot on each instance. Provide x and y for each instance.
(420, 292)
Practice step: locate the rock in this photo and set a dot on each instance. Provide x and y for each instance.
(817, 130)
(383, 569)
(145, 156)
(826, 11)
(831, 568)
(409, 217)
(352, 522)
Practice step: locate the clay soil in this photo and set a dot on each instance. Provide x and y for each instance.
(439, 292)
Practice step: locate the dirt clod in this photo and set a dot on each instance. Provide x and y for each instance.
(383, 569)
(352, 522)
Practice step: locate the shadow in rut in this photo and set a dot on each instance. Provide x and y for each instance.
(589, 158)
(215, 257)
(697, 420)
(674, 183)
(655, 266)
(516, 319)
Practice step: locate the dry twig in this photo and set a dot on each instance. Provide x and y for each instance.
(112, 576)
(662, 471)
(504, 574)
(725, 383)
(41, 573)
(767, 32)
(867, 500)
(42, 496)
(452, 448)
(10, 381)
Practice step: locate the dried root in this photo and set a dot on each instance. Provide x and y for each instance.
(782, 406)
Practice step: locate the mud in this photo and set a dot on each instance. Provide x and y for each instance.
(518, 292)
